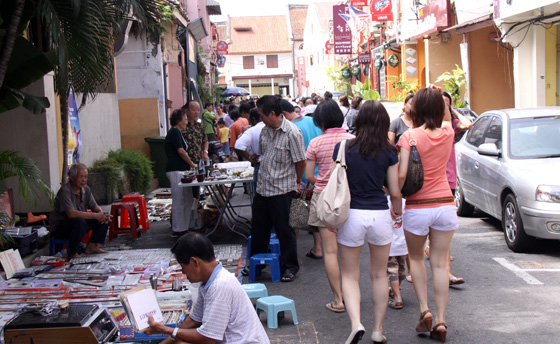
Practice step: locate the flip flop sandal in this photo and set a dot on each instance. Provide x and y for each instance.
(310, 254)
(456, 280)
(330, 306)
(288, 277)
(409, 278)
(396, 303)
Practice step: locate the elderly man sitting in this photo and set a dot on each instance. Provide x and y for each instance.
(71, 220)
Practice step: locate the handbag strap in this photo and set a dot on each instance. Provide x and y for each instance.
(412, 141)
(304, 192)
(341, 156)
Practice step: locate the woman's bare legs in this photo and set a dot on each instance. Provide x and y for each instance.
(330, 256)
(440, 241)
(350, 273)
(378, 259)
(417, 268)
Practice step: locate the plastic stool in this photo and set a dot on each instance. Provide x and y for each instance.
(274, 306)
(141, 201)
(274, 246)
(57, 245)
(255, 290)
(115, 230)
(271, 259)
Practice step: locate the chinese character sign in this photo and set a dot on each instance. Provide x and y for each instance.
(381, 10)
(342, 32)
(301, 74)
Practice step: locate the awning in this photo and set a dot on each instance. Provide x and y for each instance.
(213, 8)
(179, 16)
(197, 29)
(472, 25)
(378, 49)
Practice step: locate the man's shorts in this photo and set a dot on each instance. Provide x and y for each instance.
(396, 269)
(374, 225)
(419, 221)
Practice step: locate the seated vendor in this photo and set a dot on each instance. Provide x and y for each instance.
(71, 220)
(223, 313)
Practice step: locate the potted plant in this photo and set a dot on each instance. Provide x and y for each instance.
(104, 178)
(137, 167)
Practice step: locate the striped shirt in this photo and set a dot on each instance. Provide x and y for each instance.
(226, 312)
(280, 151)
(321, 149)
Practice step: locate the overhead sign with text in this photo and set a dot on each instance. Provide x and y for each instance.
(342, 32)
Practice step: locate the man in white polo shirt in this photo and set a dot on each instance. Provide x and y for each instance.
(223, 313)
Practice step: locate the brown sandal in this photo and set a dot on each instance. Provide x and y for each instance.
(439, 334)
(425, 322)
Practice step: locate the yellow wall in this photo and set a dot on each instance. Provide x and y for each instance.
(550, 56)
(491, 68)
(138, 119)
(391, 72)
(443, 56)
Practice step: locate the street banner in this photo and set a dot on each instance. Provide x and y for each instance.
(361, 19)
(381, 10)
(342, 32)
(74, 133)
(301, 74)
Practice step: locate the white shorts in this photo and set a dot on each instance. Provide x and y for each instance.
(419, 221)
(373, 225)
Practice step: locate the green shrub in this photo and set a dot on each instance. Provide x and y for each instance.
(137, 167)
(111, 169)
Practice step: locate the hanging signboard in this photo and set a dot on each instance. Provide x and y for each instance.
(222, 48)
(393, 60)
(342, 32)
(378, 64)
(358, 3)
(381, 10)
(301, 74)
(364, 58)
(221, 61)
(355, 71)
(346, 73)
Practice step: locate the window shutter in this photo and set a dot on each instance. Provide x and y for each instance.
(248, 62)
(271, 61)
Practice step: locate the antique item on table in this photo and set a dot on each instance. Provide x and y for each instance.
(299, 212)
(200, 178)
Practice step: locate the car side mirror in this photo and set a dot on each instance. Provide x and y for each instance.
(489, 149)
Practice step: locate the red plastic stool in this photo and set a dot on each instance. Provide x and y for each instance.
(141, 201)
(133, 228)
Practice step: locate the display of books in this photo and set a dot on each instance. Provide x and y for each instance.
(138, 304)
(19, 231)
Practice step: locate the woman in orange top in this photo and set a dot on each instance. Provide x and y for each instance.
(237, 126)
(431, 211)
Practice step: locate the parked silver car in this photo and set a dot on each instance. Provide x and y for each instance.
(508, 166)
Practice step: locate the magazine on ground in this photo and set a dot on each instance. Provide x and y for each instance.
(139, 303)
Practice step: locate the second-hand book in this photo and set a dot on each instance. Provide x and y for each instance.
(138, 304)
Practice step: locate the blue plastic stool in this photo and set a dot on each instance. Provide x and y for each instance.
(274, 306)
(274, 246)
(57, 245)
(271, 259)
(255, 290)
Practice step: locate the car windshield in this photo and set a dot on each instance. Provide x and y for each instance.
(535, 138)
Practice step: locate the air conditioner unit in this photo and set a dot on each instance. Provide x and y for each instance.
(259, 61)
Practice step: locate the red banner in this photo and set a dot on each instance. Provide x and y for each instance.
(381, 10)
(222, 48)
(357, 3)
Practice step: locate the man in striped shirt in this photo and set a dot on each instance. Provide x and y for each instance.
(223, 312)
(282, 165)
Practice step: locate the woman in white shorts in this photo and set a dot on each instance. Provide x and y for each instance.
(371, 160)
(431, 211)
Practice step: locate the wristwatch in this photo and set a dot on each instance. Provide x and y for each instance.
(205, 151)
(174, 334)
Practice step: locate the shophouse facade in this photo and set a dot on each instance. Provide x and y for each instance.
(297, 16)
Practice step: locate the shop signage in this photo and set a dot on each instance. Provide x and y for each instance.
(301, 74)
(328, 45)
(357, 3)
(393, 60)
(378, 64)
(433, 18)
(342, 32)
(346, 73)
(381, 10)
(222, 48)
(355, 71)
(364, 58)
(221, 61)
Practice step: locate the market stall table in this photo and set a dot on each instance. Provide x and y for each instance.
(222, 201)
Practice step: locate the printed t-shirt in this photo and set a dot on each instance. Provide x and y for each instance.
(434, 153)
(224, 134)
(173, 141)
(367, 176)
(320, 150)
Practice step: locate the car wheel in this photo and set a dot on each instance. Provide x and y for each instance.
(516, 238)
(463, 208)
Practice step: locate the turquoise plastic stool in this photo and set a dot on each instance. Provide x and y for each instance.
(271, 259)
(274, 306)
(255, 290)
(274, 246)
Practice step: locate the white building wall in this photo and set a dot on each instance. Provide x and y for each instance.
(314, 39)
(140, 74)
(285, 65)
